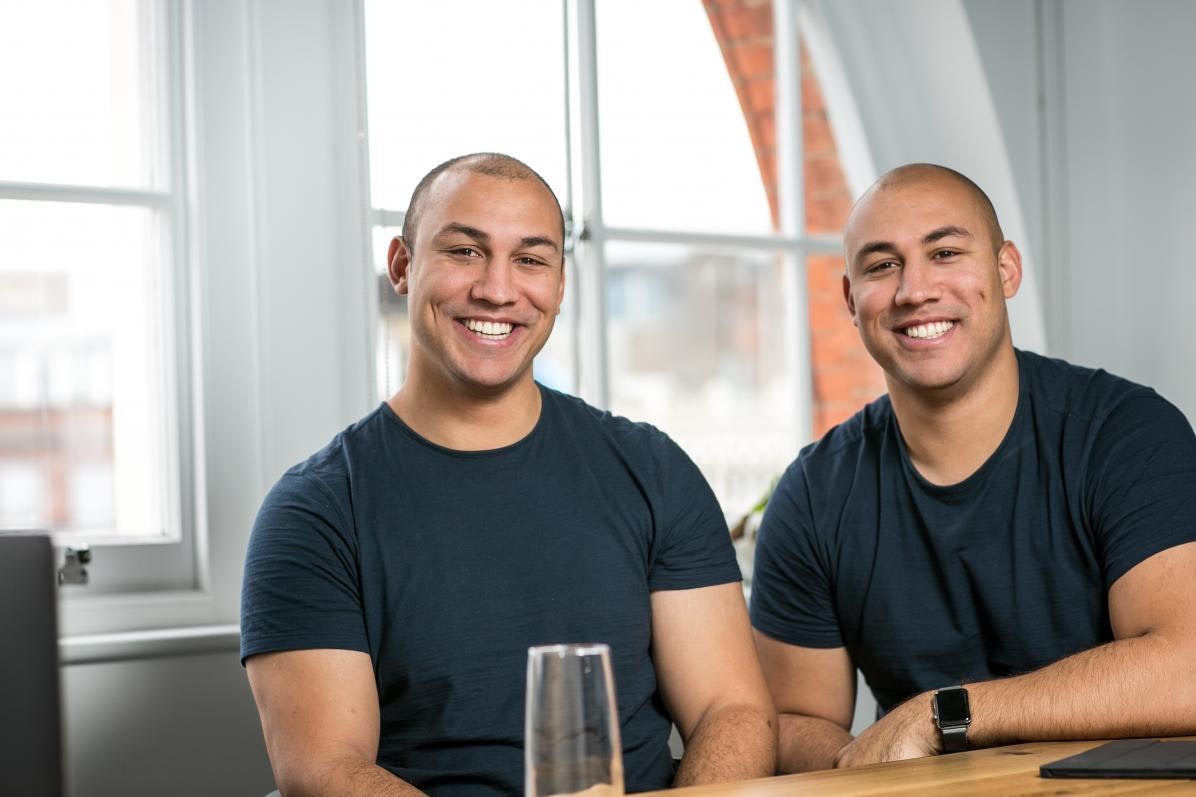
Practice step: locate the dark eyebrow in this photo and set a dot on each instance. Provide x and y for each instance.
(875, 247)
(463, 229)
(945, 232)
(539, 240)
(484, 238)
(872, 248)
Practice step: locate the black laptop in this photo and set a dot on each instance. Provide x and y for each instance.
(1129, 758)
(30, 713)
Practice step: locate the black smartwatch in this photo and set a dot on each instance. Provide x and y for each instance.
(953, 715)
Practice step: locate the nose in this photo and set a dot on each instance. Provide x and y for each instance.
(495, 283)
(918, 283)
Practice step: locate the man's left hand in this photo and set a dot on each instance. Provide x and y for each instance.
(907, 731)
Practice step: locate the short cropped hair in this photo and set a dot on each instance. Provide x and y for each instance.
(913, 172)
(493, 164)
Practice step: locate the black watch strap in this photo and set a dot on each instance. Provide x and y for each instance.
(952, 715)
(955, 739)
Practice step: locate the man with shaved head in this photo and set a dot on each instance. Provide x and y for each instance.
(1004, 544)
(396, 579)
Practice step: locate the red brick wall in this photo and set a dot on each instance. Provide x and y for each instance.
(845, 377)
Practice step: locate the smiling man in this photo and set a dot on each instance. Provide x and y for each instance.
(1003, 544)
(396, 579)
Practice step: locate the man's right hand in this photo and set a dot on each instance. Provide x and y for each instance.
(908, 731)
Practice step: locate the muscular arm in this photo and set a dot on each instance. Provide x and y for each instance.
(814, 691)
(710, 680)
(319, 711)
(1138, 685)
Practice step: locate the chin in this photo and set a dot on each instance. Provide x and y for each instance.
(930, 380)
(490, 382)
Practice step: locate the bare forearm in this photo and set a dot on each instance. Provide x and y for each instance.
(347, 779)
(730, 743)
(1139, 686)
(809, 743)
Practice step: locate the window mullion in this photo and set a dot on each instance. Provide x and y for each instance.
(594, 368)
(791, 199)
(85, 194)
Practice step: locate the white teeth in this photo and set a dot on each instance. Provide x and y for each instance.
(494, 330)
(931, 330)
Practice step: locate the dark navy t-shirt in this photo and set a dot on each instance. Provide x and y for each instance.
(1003, 573)
(445, 566)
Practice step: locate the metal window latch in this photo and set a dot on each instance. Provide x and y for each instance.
(75, 559)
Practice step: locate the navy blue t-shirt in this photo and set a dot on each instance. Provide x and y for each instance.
(1005, 572)
(445, 566)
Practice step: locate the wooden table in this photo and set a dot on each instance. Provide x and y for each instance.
(997, 772)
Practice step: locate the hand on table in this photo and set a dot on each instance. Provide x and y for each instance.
(907, 731)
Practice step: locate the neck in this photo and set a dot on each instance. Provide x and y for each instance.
(466, 421)
(949, 436)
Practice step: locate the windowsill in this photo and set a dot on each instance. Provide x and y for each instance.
(84, 615)
(129, 645)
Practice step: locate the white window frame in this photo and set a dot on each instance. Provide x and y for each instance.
(794, 240)
(273, 239)
(132, 582)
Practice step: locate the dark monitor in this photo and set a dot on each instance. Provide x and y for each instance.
(30, 718)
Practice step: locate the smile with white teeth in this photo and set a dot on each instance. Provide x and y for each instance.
(490, 330)
(928, 331)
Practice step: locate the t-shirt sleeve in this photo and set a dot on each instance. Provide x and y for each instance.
(1142, 494)
(300, 588)
(692, 547)
(792, 596)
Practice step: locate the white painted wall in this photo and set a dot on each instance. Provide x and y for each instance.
(1129, 112)
(1096, 105)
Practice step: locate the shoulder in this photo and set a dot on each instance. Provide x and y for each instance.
(827, 474)
(1077, 392)
(841, 450)
(1117, 432)
(587, 421)
(326, 473)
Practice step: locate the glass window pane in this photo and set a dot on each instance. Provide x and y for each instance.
(81, 111)
(23, 503)
(81, 372)
(683, 145)
(697, 346)
(458, 76)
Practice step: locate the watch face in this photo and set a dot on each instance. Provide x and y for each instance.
(952, 706)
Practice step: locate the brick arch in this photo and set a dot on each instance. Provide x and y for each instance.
(844, 376)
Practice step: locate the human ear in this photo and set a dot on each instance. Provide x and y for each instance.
(847, 297)
(398, 259)
(1009, 264)
(560, 291)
